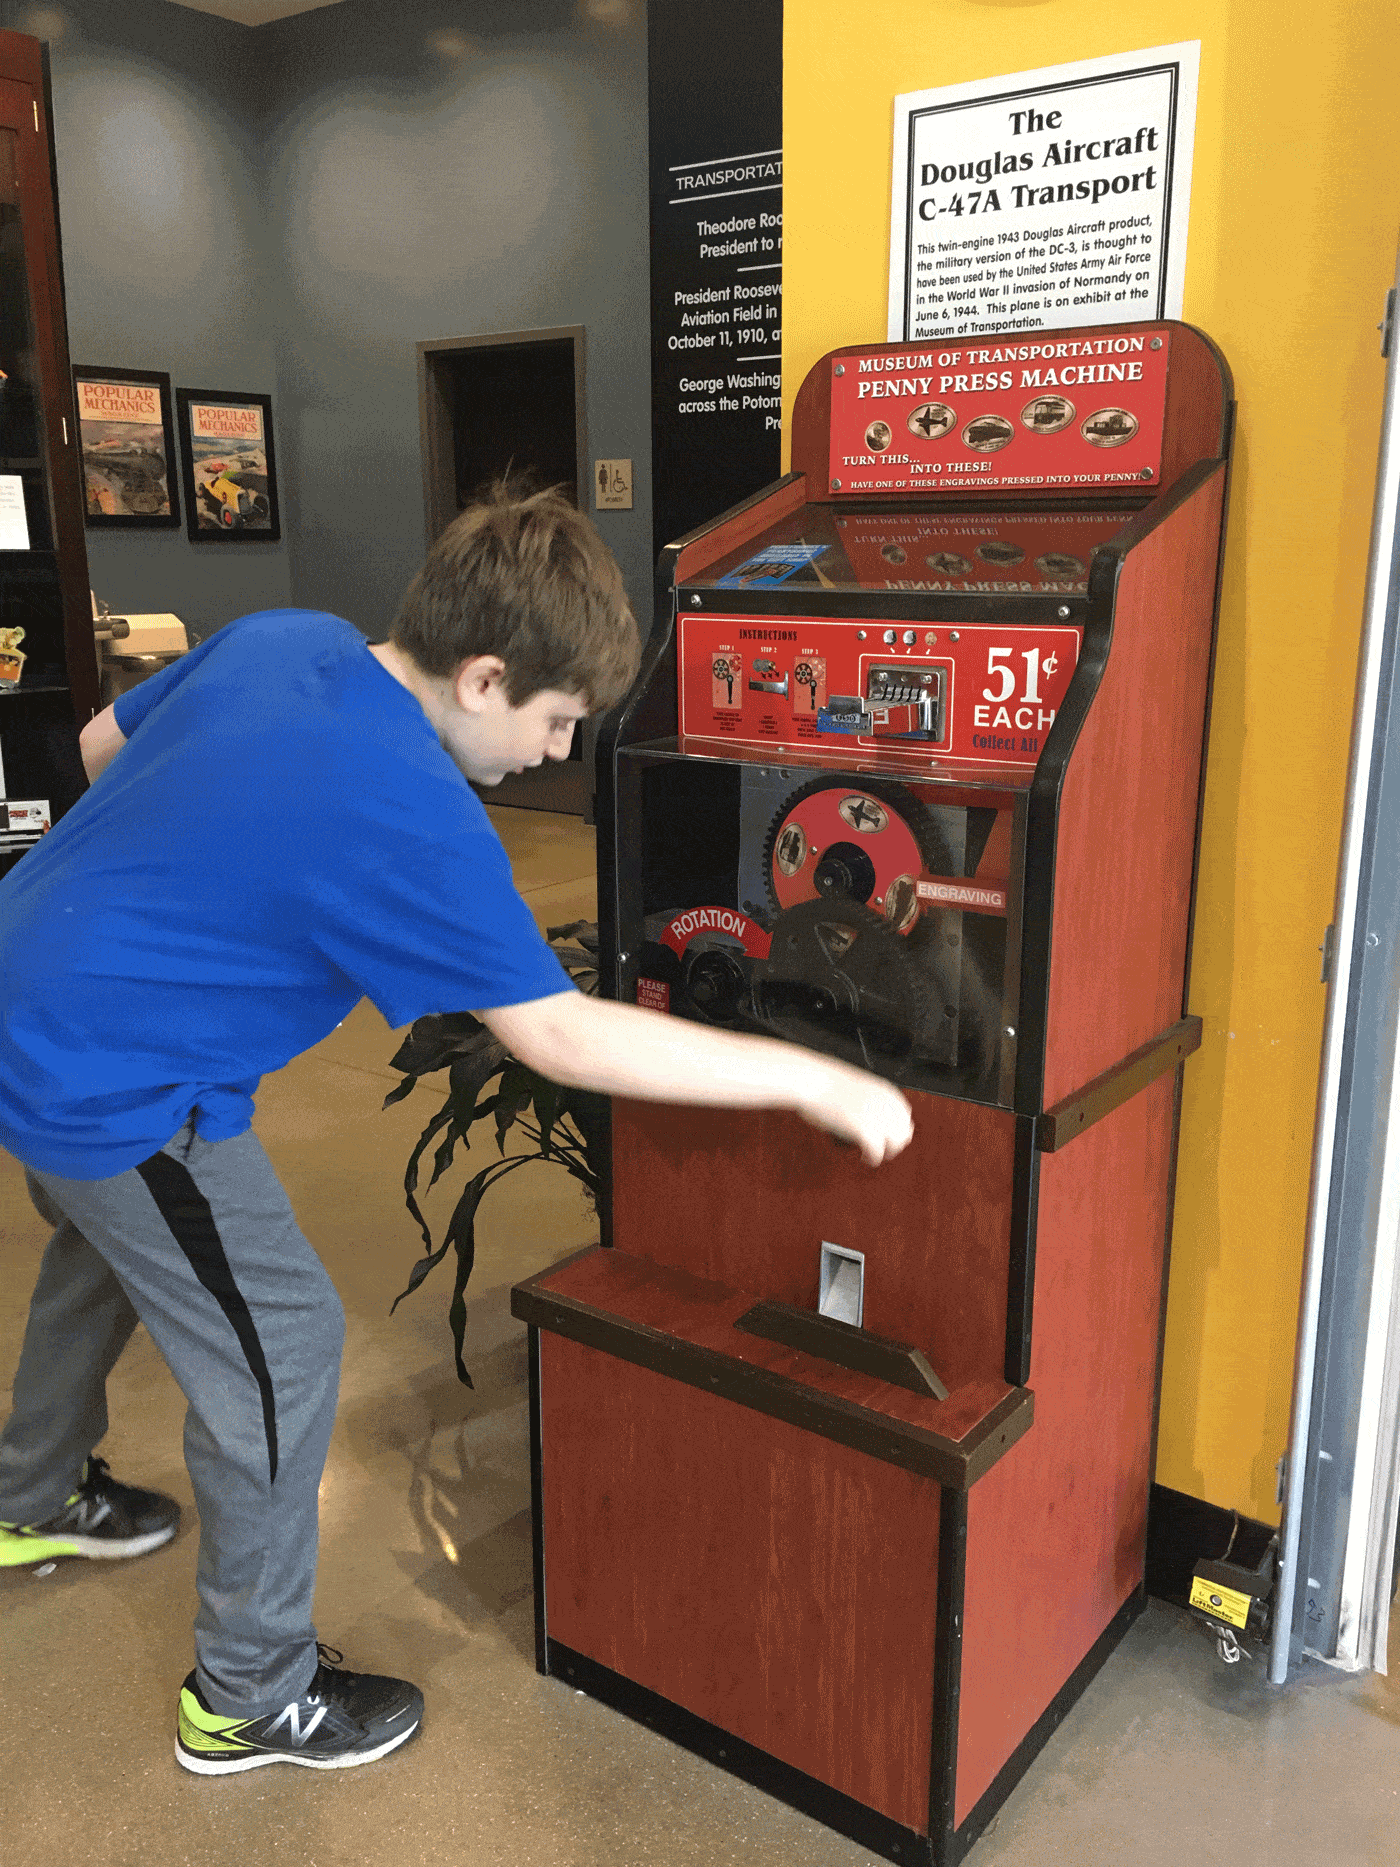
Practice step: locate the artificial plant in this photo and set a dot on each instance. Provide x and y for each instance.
(565, 1127)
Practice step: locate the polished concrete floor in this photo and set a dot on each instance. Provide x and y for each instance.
(1169, 1760)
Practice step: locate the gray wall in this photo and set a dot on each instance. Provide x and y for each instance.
(440, 169)
(293, 207)
(165, 247)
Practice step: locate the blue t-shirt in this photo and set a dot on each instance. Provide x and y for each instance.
(282, 836)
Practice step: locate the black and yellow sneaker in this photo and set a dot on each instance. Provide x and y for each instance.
(103, 1519)
(341, 1719)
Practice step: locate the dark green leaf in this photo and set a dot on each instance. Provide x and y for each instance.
(516, 1093)
(469, 1076)
(590, 1113)
(410, 1175)
(417, 1274)
(585, 932)
(434, 1041)
(568, 1126)
(461, 1235)
(442, 1160)
(549, 1103)
(572, 956)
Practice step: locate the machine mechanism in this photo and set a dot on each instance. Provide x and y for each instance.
(841, 1476)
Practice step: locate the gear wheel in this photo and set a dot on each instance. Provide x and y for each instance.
(837, 979)
(884, 838)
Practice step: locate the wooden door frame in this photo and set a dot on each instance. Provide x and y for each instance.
(566, 787)
(435, 415)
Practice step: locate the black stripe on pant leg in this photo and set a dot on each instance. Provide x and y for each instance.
(186, 1211)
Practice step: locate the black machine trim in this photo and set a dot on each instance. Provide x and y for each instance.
(1043, 1729)
(947, 1675)
(1166, 1278)
(849, 1347)
(537, 1503)
(1109, 1090)
(1227, 451)
(866, 1826)
(1020, 1281)
(956, 1464)
(943, 1846)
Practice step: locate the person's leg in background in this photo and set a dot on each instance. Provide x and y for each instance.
(203, 1241)
(80, 1320)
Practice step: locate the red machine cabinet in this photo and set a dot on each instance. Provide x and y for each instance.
(912, 776)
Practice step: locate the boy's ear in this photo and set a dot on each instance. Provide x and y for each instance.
(479, 683)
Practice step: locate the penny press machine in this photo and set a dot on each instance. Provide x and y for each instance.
(841, 1475)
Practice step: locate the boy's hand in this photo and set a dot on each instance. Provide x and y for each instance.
(860, 1108)
(623, 1050)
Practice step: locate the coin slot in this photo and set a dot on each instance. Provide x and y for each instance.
(909, 694)
(842, 1285)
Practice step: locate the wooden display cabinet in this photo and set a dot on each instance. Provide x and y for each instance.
(48, 673)
(755, 1529)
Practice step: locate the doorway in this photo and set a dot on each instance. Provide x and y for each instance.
(509, 402)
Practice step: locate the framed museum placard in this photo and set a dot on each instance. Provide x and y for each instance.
(127, 438)
(230, 470)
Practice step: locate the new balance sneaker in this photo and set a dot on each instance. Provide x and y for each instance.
(102, 1519)
(341, 1719)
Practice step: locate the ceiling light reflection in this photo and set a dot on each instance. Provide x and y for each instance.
(450, 44)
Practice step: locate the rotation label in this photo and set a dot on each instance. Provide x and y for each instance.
(730, 921)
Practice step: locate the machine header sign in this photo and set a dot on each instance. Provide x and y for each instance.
(1074, 415)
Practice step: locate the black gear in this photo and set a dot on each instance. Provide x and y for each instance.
(903, 802)
(838, 980)
(716, 984)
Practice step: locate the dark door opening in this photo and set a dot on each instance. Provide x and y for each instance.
(508, 403)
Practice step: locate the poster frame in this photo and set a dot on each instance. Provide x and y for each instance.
(235, 533)
(1179, 62)
(132, 521)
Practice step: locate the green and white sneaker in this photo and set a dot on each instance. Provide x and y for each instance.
(341, 1719)
(102, 1520)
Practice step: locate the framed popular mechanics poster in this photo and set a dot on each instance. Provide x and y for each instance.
(1044, 198)
(230, 469)
(128, 444)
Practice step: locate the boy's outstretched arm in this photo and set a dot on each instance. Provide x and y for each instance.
(624, 1050)
(99, 742)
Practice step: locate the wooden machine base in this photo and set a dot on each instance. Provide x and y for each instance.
(943, 1846)
(867, 1827)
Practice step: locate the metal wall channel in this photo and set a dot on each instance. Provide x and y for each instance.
(1354, 1108)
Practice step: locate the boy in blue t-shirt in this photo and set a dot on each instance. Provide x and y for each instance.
(280, 824)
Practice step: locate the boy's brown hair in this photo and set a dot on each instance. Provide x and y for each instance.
(528, 579)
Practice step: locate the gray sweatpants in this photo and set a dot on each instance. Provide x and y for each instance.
(200, 1244)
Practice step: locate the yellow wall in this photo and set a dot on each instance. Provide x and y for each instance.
(1295, 208)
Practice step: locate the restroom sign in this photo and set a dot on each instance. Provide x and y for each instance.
(1043, 199)
(612, 486)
